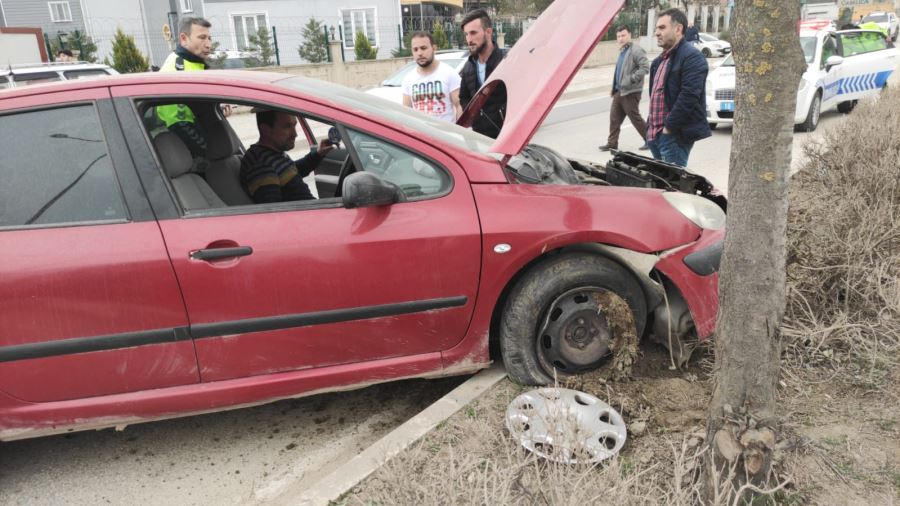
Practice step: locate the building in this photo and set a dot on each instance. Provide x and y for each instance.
(235, 20)
(57, 19)
(145, 20)
(422, 14)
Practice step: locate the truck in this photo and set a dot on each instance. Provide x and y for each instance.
(827, 10)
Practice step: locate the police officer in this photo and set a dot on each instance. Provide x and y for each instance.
(191, 51)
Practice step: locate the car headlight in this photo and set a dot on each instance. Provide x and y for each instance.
(700, 211)
(803, 85)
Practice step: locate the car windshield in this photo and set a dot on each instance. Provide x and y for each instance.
(877, 18)
(371, 106)
(809, 48)
(728, 62)
(707, 38)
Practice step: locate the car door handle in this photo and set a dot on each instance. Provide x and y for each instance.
(220, 253)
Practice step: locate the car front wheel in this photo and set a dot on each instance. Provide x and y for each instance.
(706, 52)
(555, 324)
(812, 117)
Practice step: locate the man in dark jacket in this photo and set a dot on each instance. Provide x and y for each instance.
(484, 57)
(677, 116)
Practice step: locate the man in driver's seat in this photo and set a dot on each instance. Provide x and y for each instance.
(267, 172)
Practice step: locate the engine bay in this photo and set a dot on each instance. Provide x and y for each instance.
(542, 165)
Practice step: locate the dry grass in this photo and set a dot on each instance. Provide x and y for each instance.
(844, 241)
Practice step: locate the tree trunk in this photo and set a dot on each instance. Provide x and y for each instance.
(741, 427)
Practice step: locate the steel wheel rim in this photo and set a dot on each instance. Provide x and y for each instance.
(575, 335)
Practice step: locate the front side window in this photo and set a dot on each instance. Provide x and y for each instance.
(60, 12)
(855, 43)
(416, 176)
(359, 20)
(245, 26)
(55, 169)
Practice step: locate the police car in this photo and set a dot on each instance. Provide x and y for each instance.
(843, 66)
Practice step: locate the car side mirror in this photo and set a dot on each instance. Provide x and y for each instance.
(833, 61)
(364, 189)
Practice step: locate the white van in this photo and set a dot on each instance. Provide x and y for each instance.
(24, 75)
(842, 67)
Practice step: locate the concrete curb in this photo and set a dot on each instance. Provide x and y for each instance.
(359, 467)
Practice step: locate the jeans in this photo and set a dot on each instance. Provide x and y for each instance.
(664, 147)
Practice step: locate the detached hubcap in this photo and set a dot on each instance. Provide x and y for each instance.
(576, 335)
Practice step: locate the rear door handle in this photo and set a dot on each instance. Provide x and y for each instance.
(220, 253)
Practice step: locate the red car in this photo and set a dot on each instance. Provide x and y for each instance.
(133, 288)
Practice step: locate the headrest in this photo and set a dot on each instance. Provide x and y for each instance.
(219, 142)
(175, 157)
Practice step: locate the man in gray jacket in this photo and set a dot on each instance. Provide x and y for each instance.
(628, 84)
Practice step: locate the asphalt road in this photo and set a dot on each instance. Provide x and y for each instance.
(249, 455)
(235, 457)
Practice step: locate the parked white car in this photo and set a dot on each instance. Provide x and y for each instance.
(712, 47)
(842, 67)
(390, 87)
(24, 75)
(888, 21)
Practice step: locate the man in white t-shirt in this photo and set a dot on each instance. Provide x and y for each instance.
(433, 87)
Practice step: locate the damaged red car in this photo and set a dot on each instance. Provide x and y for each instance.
(140, 283)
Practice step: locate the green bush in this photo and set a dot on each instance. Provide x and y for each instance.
(404, 51)
(362, 47)
(440, 36)
(261, 45)
(126, 58)
(314, 48)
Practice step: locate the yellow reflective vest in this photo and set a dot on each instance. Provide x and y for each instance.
(177, 113)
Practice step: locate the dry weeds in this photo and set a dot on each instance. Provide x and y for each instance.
(844, 241)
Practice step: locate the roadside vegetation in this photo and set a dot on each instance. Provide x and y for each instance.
(839, 391)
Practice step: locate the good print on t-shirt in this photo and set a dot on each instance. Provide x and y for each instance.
(431, 94)
(428, 97)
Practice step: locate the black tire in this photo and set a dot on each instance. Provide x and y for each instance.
(812, 117)
(846, 107)
(712, 126)
(529, 358)
(706, 52)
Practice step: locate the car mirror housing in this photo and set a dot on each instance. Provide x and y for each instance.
(833, 61)
(364, 189)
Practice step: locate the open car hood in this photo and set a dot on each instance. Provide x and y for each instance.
(538, 68)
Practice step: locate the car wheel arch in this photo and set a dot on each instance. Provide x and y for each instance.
(652, 291)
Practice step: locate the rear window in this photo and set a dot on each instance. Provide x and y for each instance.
(36, 78)
(82, 74)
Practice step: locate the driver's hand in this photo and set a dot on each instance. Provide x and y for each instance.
(325, 146)
(226, 110)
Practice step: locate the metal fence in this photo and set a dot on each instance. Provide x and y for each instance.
(386, 34)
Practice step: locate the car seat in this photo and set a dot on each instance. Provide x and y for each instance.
(191, 189)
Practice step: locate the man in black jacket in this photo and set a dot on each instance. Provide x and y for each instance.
(484, 57)
(677, 116)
